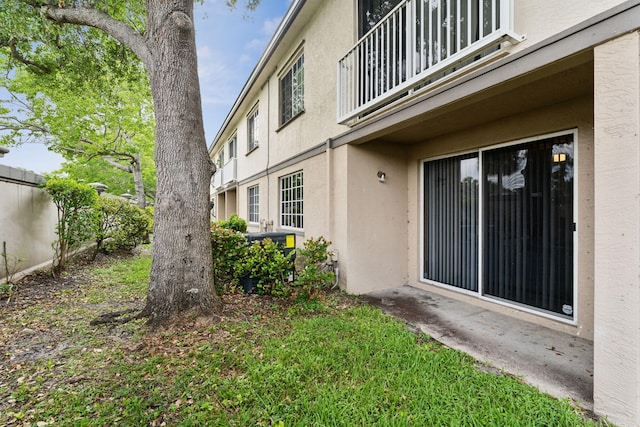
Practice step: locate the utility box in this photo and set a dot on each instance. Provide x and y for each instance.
(285, 241)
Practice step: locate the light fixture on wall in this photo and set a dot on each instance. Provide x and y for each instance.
(382, 176)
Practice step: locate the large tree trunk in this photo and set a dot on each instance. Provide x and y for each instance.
(181, 272)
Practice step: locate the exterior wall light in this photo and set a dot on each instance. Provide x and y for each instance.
(382, 176)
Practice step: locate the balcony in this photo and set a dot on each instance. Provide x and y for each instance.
(418, 42)
(226, 174)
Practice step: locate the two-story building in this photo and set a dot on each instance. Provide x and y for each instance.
(488, 150)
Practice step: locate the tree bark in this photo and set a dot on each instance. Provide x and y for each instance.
(182, 270)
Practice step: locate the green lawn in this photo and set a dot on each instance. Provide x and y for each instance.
(265, 363)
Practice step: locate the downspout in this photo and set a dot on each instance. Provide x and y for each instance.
(268, 152)
(328, 201)
(333, 261)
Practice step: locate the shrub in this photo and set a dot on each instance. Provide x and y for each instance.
(314, 273)
(269, 266)
(149, 210)
(75, 223)
(234, 223)
(120, 225)
(229, 250)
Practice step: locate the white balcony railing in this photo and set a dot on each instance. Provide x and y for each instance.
(229, 171)
(217, 180)
(225, 174)
(418, 41)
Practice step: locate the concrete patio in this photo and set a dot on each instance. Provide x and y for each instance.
(555, 362)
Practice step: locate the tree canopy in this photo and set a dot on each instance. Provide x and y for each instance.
(84, 35)
(79, 92)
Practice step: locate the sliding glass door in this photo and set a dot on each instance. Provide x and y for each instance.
(451, 221)
(526, 226)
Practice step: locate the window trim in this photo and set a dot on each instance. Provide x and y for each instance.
(253, 115)
(233, 154)
(256, 203)
(288, 70)
(479, 294)
(281, 202)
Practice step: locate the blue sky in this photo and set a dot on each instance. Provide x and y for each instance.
(230, 43)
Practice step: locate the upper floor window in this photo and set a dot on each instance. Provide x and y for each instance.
(292, 200)
(370, 12)
(252, 131)
(253, 196)
(220, 157)
(233, 147)
(292, 91)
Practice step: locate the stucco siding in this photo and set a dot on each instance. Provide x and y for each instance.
(617, 230)
(27, 224)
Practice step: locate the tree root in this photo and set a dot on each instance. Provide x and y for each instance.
(116, 317)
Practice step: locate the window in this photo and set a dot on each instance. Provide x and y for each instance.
(220, 157)
(524, 193)
(371, 12)
(253, 195)
(292, 91)
(233, 147)
(252, 131)
(291, 200)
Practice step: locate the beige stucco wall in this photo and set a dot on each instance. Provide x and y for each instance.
(574, 114)
(322, 49)
(315, 200)
(617, 230)
(27, 224)
(541, 19)
(375, 217)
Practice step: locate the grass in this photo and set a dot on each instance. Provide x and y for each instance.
(266, 363)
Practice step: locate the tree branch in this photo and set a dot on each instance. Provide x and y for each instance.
(115, 164)
(100, 20)
(15, 54)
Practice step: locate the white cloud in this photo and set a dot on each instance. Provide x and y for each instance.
(204, 52)
(256, 44)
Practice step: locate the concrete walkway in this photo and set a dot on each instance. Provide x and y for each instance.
(556, 363)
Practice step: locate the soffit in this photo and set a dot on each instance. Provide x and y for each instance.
(532, 91)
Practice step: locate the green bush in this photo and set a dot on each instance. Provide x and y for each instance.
(120, 225)
(266, 263)
(149, 210)
(234, 223)
(229, 249)
(315, 273)
(75, 225)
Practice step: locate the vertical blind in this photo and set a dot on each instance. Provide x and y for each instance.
(451, 221)
(527, 223)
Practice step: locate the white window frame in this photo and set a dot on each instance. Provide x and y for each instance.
(232, 144)
(295, 98)
(291, 192)
(220, 160)
(253, 204)
(480, 293)
(253, 140)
